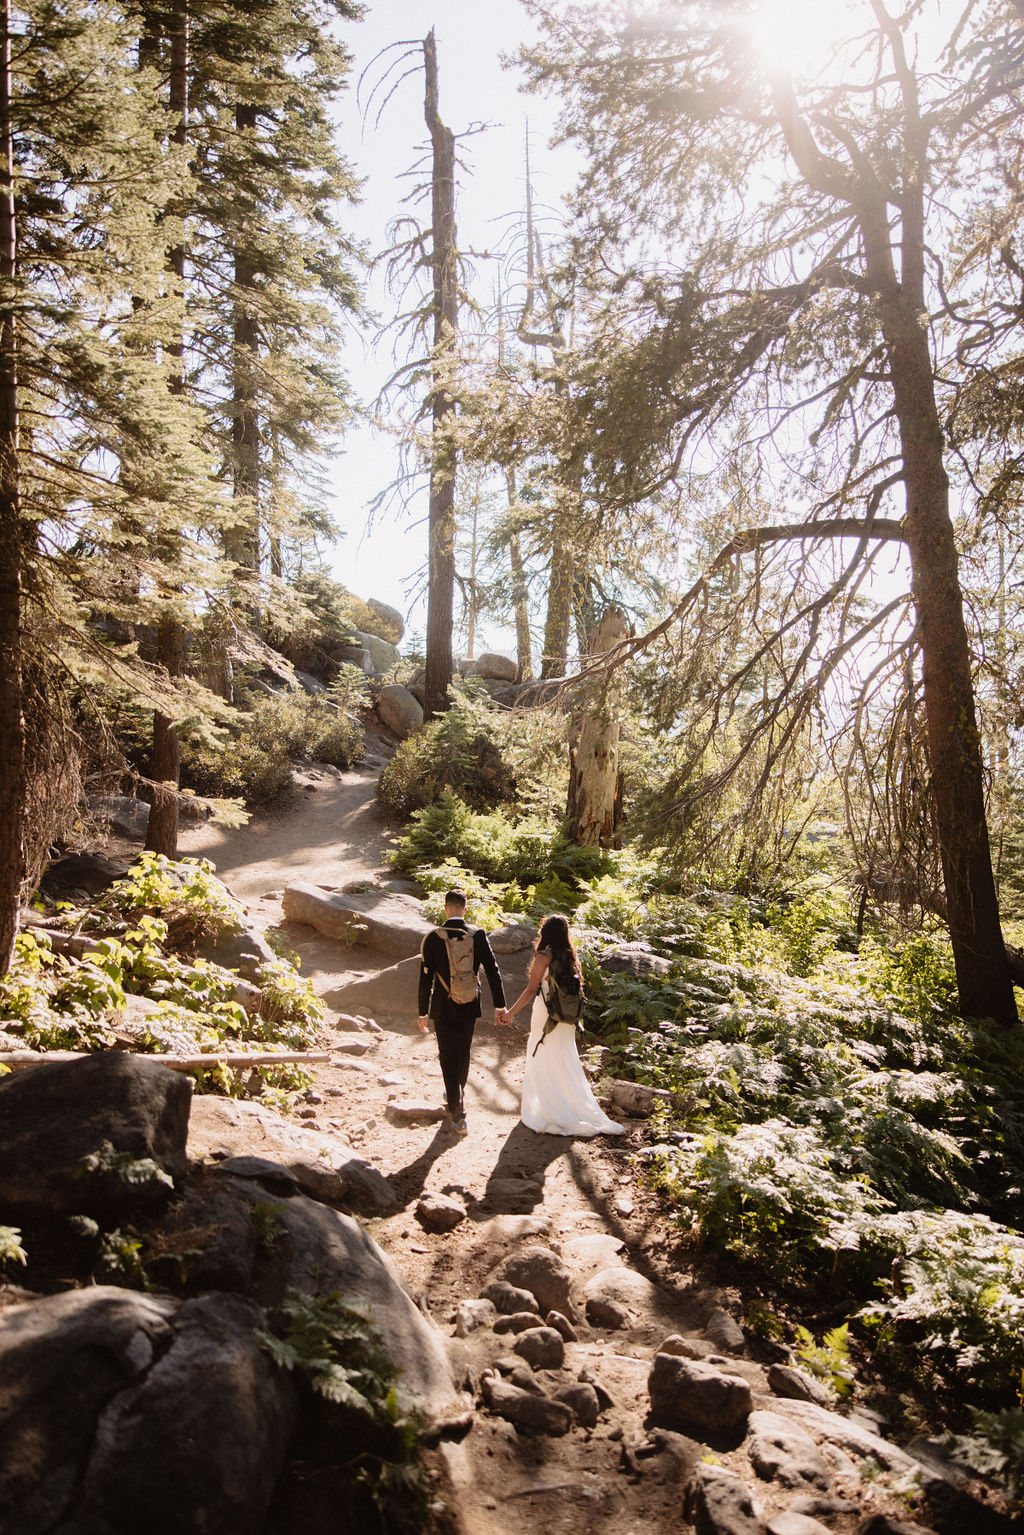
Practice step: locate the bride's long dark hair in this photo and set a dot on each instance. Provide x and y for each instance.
(554, 935)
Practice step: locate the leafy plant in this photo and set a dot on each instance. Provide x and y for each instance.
(828, 1360)
(129, 1168)
(11, 1250)
(336, 1351)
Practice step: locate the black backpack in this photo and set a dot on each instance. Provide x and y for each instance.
(562, 990)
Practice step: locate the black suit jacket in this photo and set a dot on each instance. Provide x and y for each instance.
(434, 1001)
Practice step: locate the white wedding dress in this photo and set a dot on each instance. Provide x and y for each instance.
(557, 1098)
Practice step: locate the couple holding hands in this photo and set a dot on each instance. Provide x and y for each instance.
(557, 1098)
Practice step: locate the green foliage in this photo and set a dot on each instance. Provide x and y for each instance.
(456, 751)
(996, 1448)
(130, 1169)
(253, 759)
(11, 1250)
(828, 1360)
(336, 1351)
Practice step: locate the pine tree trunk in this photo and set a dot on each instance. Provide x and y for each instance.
(954, 741)
(162, 832)
(441, 514)
(524, 670)
(593, 806)
(12, 735)
(558, 620)
(245, 428)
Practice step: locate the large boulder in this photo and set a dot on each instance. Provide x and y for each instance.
(400, 710)
(322, 1166)
(493, 667)
(383, 655)
(322, 1250)
(380, 919)
(128, 1111)
(633, 959)
(783, 1452)
(352, 655)
(120, 814)
(199, 1441)
(62, 1359)
(391, 618)
(388, 995)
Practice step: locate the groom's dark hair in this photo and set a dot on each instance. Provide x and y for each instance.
(455, 897)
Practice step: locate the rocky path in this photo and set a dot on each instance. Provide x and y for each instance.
(562, 1429)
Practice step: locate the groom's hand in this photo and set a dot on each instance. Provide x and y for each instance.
(423, 1024)
(501, 1016)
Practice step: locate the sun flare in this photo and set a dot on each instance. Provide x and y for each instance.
(798, 37)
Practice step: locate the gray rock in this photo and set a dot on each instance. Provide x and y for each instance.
(90, 872)
(543, 1273)
(635, 1099)
(541, 1347)
(121, 815)
(394, 924)
(471, 1315)
(625, 1289)
(353, 1044)
(399, 709)
(686, 1348)
(278, 1179)
(308, 683)
(383, 654)
(698, 1398)
(519, 1374)
(725, 1333)
(200, 1441)
(530, 1413)
(512, 939)
(353, 655)
(720, 1503)
(582, 1398)
(516, 1321)
(509, 1230)
(439, 1212)
(602, 1312)
(62, 1359)
(323, 1165)
(796, 1384)
(815, 1506)
(604, 1397)
(887, 1524)
(849, 1437)
(515, 1196)
(52, 1117)
(508, 1298)
(562, 1325)
(323, 1250)
(208, 1241)
(494, 667)
(413, 1113)
(791, 1523)
(391, 616)
(781, 1451)
(388, 995)
(633, 959)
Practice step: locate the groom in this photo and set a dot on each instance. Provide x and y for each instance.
(450, 994)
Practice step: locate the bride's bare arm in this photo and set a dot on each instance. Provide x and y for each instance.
(533, 980)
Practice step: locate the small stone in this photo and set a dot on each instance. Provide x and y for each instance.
(562, 1325)
(725, 1333)
(697, 1397)
(470, 1315)
(624, 1206)
(411, 1113)
(686, 1348)
(307, 1114)
(439, 1212)
(796, 1385)
(530, 1413)
(519, 1321)
(508, 1299)
(790, 1523)
(542, 1347)
(605, 1398)
(352, 1044)
(602, 1312)
(583, 1401)
(312, 1097)
(392, 1079)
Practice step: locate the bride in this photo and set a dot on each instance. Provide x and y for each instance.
(557, 1098)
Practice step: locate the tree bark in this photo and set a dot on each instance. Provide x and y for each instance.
(162, 832)
(441, 514)
(12, 730)
(593, 806)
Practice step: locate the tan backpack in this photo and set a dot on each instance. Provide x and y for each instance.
(461, 985)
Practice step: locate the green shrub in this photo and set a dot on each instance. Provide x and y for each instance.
(253, 760)
(455, 751)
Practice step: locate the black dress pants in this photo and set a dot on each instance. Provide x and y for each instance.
(454, 1031)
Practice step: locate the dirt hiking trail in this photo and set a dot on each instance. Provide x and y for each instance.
(581, 1198)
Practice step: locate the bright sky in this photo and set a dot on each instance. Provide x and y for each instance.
(474, 89)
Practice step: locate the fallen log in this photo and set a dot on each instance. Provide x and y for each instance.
(20, 1060)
